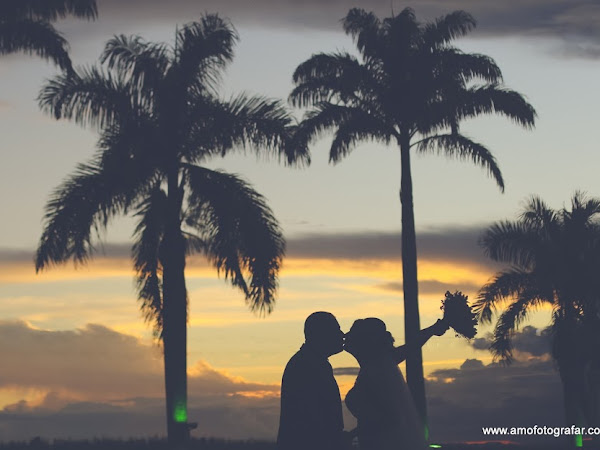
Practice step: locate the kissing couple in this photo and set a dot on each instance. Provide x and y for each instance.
(311, 406)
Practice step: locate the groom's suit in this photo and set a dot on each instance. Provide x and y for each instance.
(311, 408)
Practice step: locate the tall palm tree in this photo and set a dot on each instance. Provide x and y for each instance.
(554, 259)
(25, 26)
(160, 119)
(410, 88)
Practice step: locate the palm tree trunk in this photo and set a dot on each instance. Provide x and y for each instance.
(414, 359)
(175, 320)
(571, 375)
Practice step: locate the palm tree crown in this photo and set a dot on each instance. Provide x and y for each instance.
(160, 119)
(412, 88)
(25, 26)
(159, 116)
(554, 259)
(408, 82)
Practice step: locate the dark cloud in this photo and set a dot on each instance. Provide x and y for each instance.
(462, 401)
(93, 361)
(8, 255)
(440, 244)
(432, 287)
(234, 417)
(100, 382)
(342, 371)
(574, 22)
(96, 362)
(529, 340)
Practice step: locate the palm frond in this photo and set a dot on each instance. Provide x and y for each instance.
(447, 28)
(358, 127)
(583, 210)
(88, 199)
(504, 286)
(399, 44)
(467, 66)
(90, 97)
(508, 322)
(203, 49)
(145, 64)
(244, 122)
(364, 27)
(511, 242)
(336, 77)
(242, 237)
(35, 37)
(493, 99)
(327, 116)
(85, 202)
(461, 147)
(47, 10)
(148, 236)
(538, 216)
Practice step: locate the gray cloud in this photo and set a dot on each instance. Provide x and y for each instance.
(233, 417)
(574, 23)
(111, 250)
(523, 394)
(439, 244)
(100, 382)
(462, 401)
(528, 340)
(8, 255)
(432, 287)
(96, 362)
(346, 371)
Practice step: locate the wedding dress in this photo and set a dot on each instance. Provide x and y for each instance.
(383, 405)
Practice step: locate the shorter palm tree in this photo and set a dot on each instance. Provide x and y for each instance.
(555, 261)
(25, 26)
(161, 120)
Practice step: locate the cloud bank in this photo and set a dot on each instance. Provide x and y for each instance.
(101, 383)
(462, 401)
(95, 381)
(573, 23)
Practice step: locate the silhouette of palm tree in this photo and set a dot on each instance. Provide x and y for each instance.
(25, 26)
(160, 118)
(410, 87)
(555, 260)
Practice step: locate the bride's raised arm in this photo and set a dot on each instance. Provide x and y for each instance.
(437, 329)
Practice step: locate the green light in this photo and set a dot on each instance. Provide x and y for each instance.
(180, 414)
(579, 440)
(435, 446)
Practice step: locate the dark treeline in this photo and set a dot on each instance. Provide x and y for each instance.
(135, 444)
(222, 444)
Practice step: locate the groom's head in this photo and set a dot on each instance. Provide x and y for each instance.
(322, 331)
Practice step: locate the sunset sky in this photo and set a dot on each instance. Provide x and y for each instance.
(76, 358)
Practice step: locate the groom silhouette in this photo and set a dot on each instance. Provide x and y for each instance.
(311, 408)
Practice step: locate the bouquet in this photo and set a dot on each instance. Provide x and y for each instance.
(458, 314)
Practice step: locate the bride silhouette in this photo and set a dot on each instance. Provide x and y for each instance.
(380, 399)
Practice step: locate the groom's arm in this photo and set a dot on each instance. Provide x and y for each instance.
(437, 329)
